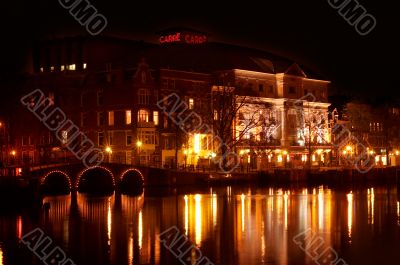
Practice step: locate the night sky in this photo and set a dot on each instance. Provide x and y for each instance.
(310, 32)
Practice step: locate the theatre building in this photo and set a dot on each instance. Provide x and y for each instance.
(110, 88)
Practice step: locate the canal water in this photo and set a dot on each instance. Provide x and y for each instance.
(228, 225)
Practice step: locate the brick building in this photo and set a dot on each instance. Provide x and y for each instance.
(110, 88)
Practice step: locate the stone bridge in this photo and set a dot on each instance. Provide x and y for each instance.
(105, 178)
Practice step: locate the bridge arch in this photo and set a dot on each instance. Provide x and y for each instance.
(56, 182)
(131, 181)
(97, 179)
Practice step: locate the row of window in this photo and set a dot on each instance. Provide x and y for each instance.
(142, 116)
(145, 137)
(69, 67)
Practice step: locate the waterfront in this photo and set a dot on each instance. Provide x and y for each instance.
(230, 225)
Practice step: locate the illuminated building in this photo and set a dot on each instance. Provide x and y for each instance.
(110, 87)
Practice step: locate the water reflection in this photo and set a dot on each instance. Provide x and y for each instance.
(231, 225)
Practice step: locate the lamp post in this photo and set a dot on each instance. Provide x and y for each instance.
(109, 152)
(139, 144)
(13, 153)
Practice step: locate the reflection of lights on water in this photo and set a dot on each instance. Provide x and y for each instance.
(130, 249)
(1, 255)
(398, 213)
(371, 206)
(349, 212)
(19, 226)
(197, 199)
(303, 209)
(320, 208)
(140, 229)
(186, 215)
(262, 242)
(242, 197)
(285, 198)
(214, 208)
(109, 221)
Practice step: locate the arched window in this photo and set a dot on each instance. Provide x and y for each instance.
(143, 115)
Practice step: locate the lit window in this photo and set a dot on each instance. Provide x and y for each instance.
(197, 143)
(62, 67)
(111, 118)
(84, 66)
(215, 115)
(155, 117)
(64, 137)
(51, 99)
(143, 115)
(41, 69)
(72, 67)
(128, 117)
(191, 103)
(52, 68)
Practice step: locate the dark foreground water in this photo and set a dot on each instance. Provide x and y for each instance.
(229, 225)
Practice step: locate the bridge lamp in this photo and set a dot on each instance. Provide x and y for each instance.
(139, 143)
(13, 152)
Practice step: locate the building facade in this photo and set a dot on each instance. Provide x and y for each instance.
(113, 91)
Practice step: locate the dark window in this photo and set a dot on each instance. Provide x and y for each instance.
(261, 88)
(305, 91)
(100, 98)
(292, 90)
(271, 89)
(100, 118)
(100, 138)
(128, 139)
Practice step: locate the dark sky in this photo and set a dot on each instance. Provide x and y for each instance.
(309, 32)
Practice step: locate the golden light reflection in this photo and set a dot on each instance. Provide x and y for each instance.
(371, 206)
(1, 256)
(197, 199)
(140, 234)
(242, 197)
(349, 213)
(19, 226)
(109, 220)
(130, 249)
(285, 198)
(186, 215)
(398, 213)
(214, 208)
(320, 208)
(303, 213)
(262, 242)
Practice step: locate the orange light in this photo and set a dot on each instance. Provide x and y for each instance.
(13, 152)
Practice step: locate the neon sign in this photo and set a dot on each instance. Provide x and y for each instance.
(179, 37)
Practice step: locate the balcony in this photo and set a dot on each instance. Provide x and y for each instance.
(143, 124)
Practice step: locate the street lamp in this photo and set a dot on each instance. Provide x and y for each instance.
(109, 152)
(13, 153)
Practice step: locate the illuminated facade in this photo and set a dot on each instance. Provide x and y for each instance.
(110, 89)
